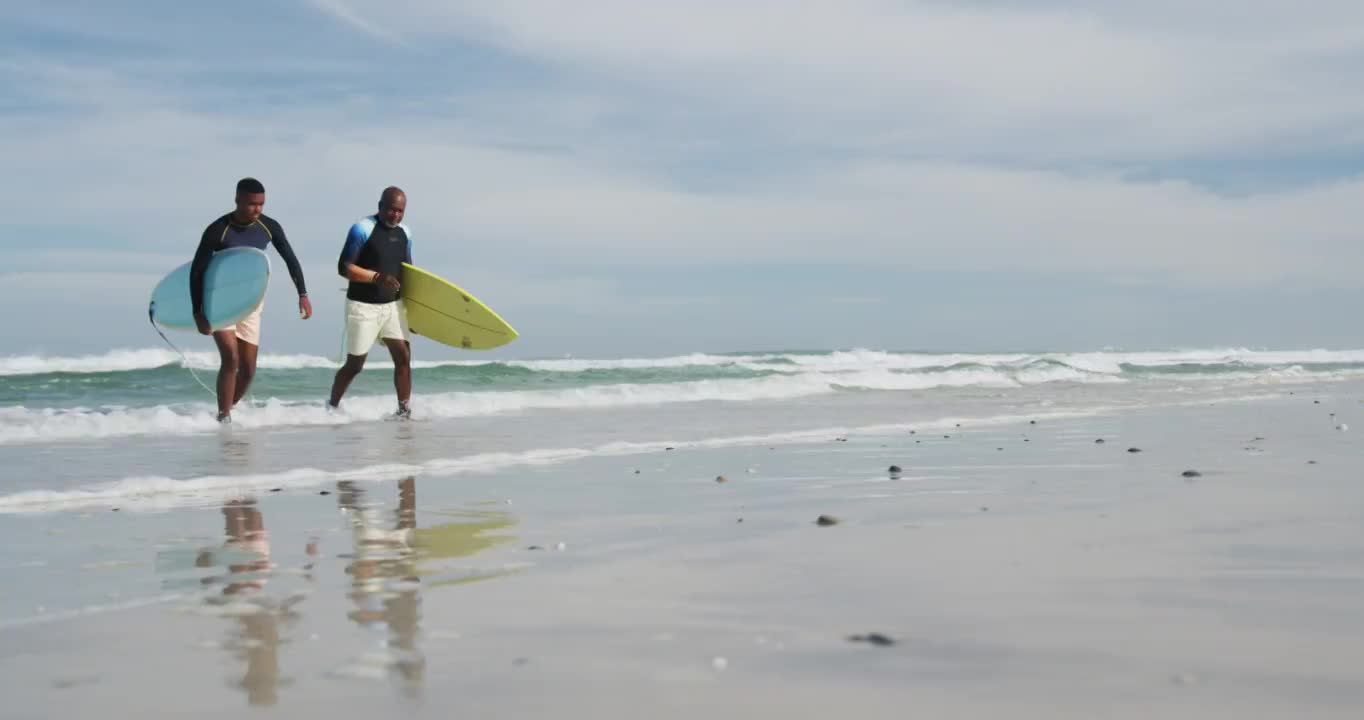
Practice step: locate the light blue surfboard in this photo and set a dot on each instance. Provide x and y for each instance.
(234, 285)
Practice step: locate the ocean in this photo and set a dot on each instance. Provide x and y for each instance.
(614, 522)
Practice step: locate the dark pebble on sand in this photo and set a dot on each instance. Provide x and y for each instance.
(984, 509)
(1026, 440)
(1191, 474)
(1311, 462)
(1032, 422)
(324, 492)
(826, 520)
(114, 509)
(1316, 402)
(958, 424)
(895, 470)
(276, 489)
(1100, 441)
(535, 547)
(873, 639)
(946, 437)
(911, 432)
(667, 448)
(636, 472)
(1134, 450)
(739, 520)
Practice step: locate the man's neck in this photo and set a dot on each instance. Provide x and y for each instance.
(236, 220)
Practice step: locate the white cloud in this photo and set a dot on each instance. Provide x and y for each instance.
(1109, 81)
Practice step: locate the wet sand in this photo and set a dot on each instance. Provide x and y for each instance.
(1018, 570)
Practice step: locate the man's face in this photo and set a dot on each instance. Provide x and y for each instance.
(249, 206)
(391, 212)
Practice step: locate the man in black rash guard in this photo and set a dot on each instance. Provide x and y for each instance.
(237, 344)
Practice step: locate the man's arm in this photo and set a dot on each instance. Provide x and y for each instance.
(208, 242)
(346, 267)
(281, 243)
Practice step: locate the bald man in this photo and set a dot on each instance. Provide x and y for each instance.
(372, 260)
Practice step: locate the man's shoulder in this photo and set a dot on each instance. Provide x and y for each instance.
(271, 224)
(364, 226)
(219, 222)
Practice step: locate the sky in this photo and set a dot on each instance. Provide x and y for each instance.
(618, 177)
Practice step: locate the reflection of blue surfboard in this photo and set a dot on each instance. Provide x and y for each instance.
(234, 285)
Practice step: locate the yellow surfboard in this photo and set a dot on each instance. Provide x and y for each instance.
(440, 310)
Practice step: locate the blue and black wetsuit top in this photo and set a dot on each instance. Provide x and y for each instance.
(223, 233)
(374, 246)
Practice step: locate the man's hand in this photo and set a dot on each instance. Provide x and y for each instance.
(387, 282)
(202, 323)
(305, 308)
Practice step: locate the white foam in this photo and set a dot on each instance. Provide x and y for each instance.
(1107, 362)
(152, 493)
(23, 425)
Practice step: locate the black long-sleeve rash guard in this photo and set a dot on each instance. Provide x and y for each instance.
(223, 233)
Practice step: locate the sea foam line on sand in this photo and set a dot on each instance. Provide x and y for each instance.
(152, 493)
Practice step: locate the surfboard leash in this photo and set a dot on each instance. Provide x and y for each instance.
(184, 361)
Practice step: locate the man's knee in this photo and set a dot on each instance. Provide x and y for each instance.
(231, 362)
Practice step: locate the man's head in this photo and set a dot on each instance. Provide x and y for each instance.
(250, 200)
(392, 206)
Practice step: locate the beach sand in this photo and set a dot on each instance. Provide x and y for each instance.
(1012, 570)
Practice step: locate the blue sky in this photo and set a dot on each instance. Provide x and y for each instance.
(653, 177)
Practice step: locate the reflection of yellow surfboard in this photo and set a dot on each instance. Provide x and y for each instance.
(440, 310)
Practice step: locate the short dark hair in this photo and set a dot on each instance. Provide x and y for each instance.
(250, 186)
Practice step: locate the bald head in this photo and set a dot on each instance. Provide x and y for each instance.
(392, 206)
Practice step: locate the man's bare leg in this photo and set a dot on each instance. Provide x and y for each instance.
(229, 363)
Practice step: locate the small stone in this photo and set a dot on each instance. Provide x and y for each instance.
(1026, 440)
(115, 509)
(826, 520)
(1311, 462)
(876, 639)
(1191, 474)
(668, 448)
(739, 520)
(721, 479)
(1134, 449)
(911, 432)
(636, 472)
(1185, 679)
(324, 492)
(276, 489)
(1316, 402)
(1100, 441)
(958, 424)
(1032, 422)
(984, 508)
(946, 437)
(535, 547)
(895, 470)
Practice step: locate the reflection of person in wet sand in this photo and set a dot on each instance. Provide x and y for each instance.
(246, 555)
(384, 581)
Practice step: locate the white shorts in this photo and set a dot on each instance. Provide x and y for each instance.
(367, 322)
(248, 328)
